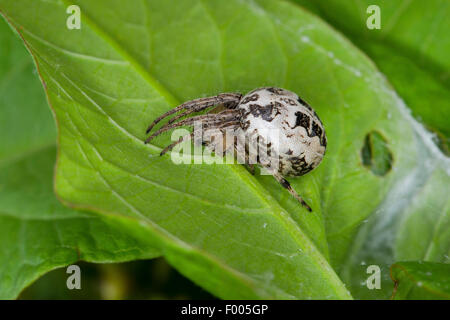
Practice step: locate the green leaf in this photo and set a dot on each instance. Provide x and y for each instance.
(20, 88)
(418, 280)
(37, 233)
(237, 235)
(411, 48)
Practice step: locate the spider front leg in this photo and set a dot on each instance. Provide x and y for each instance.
(229, 100)
(207, 119)
(189, 136)
(287, 185)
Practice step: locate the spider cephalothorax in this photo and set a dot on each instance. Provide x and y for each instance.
(273, 119)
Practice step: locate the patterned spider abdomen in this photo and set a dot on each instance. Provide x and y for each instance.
(288, 126)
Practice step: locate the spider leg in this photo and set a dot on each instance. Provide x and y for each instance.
(221, 129)
(229, 106)
(182, 139)
(230, 100)
(183, 114)
(174, 119)
(191, 135)
(206, 119)
(185, 122)
(287, 185)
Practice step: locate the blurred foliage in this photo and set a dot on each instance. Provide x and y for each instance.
(142, 279)
(421, 280)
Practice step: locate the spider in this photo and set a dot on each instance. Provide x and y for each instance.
(298, 147)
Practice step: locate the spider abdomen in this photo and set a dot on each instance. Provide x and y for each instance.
(287, 125)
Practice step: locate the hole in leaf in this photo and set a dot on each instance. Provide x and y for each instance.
(376, 155)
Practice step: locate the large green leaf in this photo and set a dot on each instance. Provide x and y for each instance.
(37, 233)
(421, 280)
(411, 48)
(236, 235)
